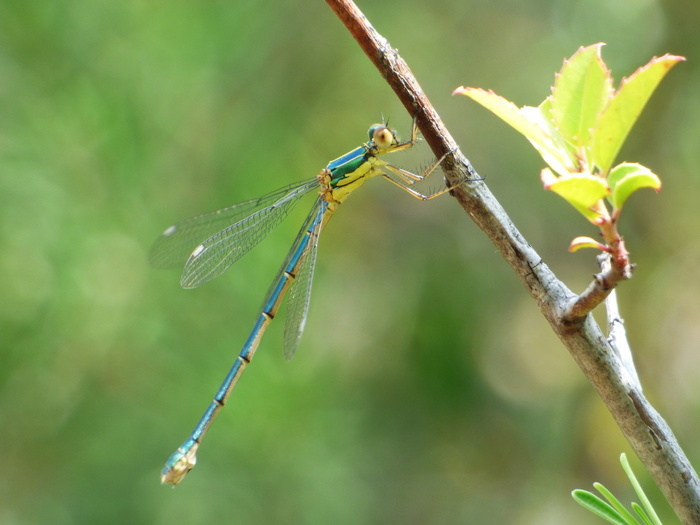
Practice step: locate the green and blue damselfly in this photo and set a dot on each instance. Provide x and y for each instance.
(209, 244)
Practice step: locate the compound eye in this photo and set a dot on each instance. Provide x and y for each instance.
(382, 136)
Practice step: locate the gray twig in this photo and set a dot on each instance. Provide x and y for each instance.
(617, 335)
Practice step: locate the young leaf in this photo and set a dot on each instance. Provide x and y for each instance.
(503, 108)
(559, 154)
(597, 506)
(527, 121)
(581, 91)
(619, 116)
(586, 242)
(626, 178)
(581, 190)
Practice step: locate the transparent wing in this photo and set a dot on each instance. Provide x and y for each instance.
(216, 254)
(177, 242)
(300, 290)
(211, 243)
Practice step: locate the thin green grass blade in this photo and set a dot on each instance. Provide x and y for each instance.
(640, 512)
(597, 506)
(638, 489)
(615, 503)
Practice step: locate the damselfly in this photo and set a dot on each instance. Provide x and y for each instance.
(209, 244)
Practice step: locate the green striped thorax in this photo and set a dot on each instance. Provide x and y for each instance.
(349, 172)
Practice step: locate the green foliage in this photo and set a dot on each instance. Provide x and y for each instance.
(579, 129)
(626, 178)
(613, 511)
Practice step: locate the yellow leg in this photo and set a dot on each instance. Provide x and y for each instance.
(408, 179)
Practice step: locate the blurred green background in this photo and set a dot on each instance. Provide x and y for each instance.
(427, 388)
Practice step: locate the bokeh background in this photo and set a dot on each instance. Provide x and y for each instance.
(427, 388)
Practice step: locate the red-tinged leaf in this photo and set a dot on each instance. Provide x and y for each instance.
(586, 242)
(529, 122)
(622, 112)
(504, 109)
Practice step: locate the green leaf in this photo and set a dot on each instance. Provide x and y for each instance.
(628, 177)
(597, 506)
(581, 190)
(528, 121)
(555, 151)
(504, 109)
(581, 91)
(622, 112)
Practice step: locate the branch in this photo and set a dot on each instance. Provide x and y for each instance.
(601, 287)
(645, 430)
(617, 336)
(617, 268)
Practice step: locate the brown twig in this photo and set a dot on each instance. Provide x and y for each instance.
(618, 269)
(646, 431)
